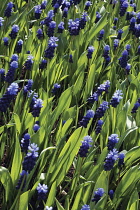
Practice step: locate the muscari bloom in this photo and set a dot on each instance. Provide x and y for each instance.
(2, 75)
(14, 31)
(39, 33)
(37, 11)
(101, 34)
(28, 87)
(138, 17)
(132, 24)
(43, 64)
(121, 160)
(60, 27)
(137, 30)
(49, 17)
(90, 52)
(36, 126)
(101, 110)
(112, 140)
(116, 43)
(37, 107)
(98, 16)
(5, 40)
(56, 6)
(1, 21)
(136, 106)
(111, 194)
(98, 194)
(65, 12)
(8, 97)
(43, 4)
(51, 28)
(110, 160)
(42, 191)
(123, 8)
(30, 158)
(56, 88)
(25, 141)
(49, 52)
(85, 120)
(8, 10)
(34, 98)
(123, 59)
(19, 44)
(99, 126)
(85, 207)
(87, 5)
(14, 57)
(70, 59)
(117, 96)
(83, 20)
(11, 72)
(73, 27)
(120, 32)
(85, 146)
(23, 176)
(28, 63)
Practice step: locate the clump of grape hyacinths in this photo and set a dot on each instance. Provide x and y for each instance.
(30, 158)
(123, 59)
(56, 88)
(36, 126)
(98, 194)
(2, 75)
(37, 11)
(101, 110)
(19, 46)
(14, 31)
(112, 140)
(11, 72)
(28, 87)
(10, 95)
(9, 9)
(85, 120)
(90, 52)
(123, 8)
(51, 28)
(85, 146)
(110, 160)
(42, 191)
(98, 16)
(25, 141)
(121, 160)
(5, 40)
(60, 27)
(99, 126)
(111, 194)
(37, 107)
(120, 32)
(136, 106)
(117, 96)
(28, 63)
(101, 34)
(39, 33)
(22, 180)
(49, 52)
(87, 5)
(85, 207)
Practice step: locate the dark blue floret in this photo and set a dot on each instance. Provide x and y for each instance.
(115, 21)
(49, 52)
(116, 43)
(28, 86)
(23, 176)
(37, 11)
(25, 141)
(137, 30)
(138, 17)
(101, 110)
(5, 40)
(65, 12)
(99, 126)
(11, 72)
(2, 75)
(83, 20)
(73, 27)
(36, 126)
(135, 108)
(127, 69)
(110, 160)
(60, 27)
(98, 194)
(52, 26)
(111, 194)
(121, 160)
(90, 52)
(56, 88)
(123, 8)
(85, 146)
(28, 63)
(70, 59)
(42, 191)
(49, 17)
(87, 5)
(132, 24)
(112, 140)
(98, 16)
(19, 46)
(43, 4)
(14, 31)
(93, 98)
(39, 33)
(101, 34)
(123, 59)
(9, 9)
(37, 108)
(43, 64)
(85, 120)
(117, 96)
(120, 32)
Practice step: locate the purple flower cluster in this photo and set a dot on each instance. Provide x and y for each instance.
(99, 126)
(85, 146)
(41, 191)
(49, 52)
(85, 207)
(101, 110)
(85, 120)
(11, 72)
(117, 96)
(14, 31)
(25, 141)
(112, 140)
(110, 160)
(98, 194)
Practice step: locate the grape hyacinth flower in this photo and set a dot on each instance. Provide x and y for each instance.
(112, 140)
(25, 141)
(135, 108)
(49, 52)
(85, 120)
(90, 52)
(43, 4)
(8, 10)
(19, 46)
(2, 75)
(127, 68)
(5, 40)
(117, 96)
(30, 159)
(101, 110)
(85, 146)
(60, 27)
(43, 64)
(65, 12)
(28, 63)
(132, 24)
(11, 72)
(83, 20)
(98, 16)
(42, 191)
(52, 26)
(65, 4)
(28, 87)
(106, 52)
(98, 194)
(99, 126)
(14, 57)
(36, 126)
(39, 33)
(101, 34)
(123, 8)
(73, 27)
(93, 98)
(1, 21)
(111, 194)
(121, 160)
(8, 97)
(128, 47)
(37, 11)
(14, 31)
(120, 32)
(116, 43)
(110, 160)
(56, 6)
(87, 5)
(56, 88)
(123, 59)
(85, 207)
(37, 107)
(115, 21)
(70, 59)
(21, 180)
(34, 98)
(49, 17)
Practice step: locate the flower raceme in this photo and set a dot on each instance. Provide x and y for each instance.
(49, 52)
(98, 194)
(85, 146)
(85, 120)
(110, 160)
(117, 96)
(42, 191)
(112, 140)
(14, 31)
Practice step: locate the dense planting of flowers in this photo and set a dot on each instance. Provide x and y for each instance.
(69, 105)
